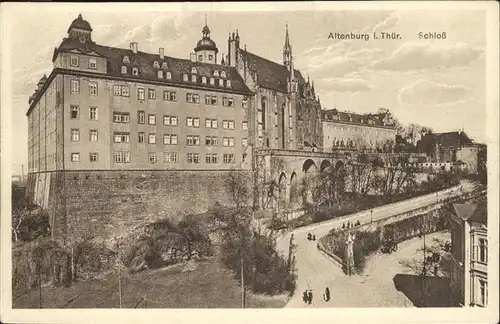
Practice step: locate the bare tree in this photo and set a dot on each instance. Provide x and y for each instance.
(392, 175)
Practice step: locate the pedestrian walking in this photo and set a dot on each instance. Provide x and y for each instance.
(314, 237)
(326, 296)
(310, 297)
(343, 225)
(305, 297)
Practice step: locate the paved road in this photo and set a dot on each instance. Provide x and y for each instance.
(316, 271)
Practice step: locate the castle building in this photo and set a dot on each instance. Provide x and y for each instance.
(109, 124)
(372, 132)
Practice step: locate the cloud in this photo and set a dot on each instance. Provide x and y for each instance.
(415, 56)
(387, 24)
(340, 85)
(427, 93)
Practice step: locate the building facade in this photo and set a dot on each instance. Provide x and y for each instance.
(371, 132)
(469, 255)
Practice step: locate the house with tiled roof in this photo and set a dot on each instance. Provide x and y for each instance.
(374, 132)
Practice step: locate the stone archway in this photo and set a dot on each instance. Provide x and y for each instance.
(325, 164)
(294, 192)
(310, 170)
(282, 192)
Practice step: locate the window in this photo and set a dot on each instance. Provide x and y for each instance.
(152, 94)
(160, 74)
(483, 292)
(126, 59)
(156, 65)
(93, 157)
(228, 158)
(164, 65)
(483, 250)
(169, 75)
(141, 137)
(93, 113)
(196, 122)
(192, 98)
(170, 96)
(93, 88)
(221, 82)
(212, 81)
(225, 141)
(212, 158)
(124, 69)
(227, 102)
(152, 157)
(170, 157)
(170, 139)
(225, 124)
(75, 157)
(141, 93)
(231, 124)
(75, 86)
(135, 71)
(193, 78)
(125, 91)
(92, 63)
(223, 74)
(173, 139)
(75, 60)
(119, 117)
(204, 80)
(208, 123)
(244, 125)
(211, 141)
(122, 157)
(121, 137)
(167, 120)
(117, 90)
(75, 135)
(189, 121)
(152, 138)
(193, 140)
(75, 112)
(200, 58)
(211, 100)
(185, 77)
(93, 135)
(141, 117)
(193, 70)
(228, 83)
(193, 157)
(244, 142)
(216, 73)
(210, 57)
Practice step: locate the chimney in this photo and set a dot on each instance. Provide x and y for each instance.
(161, 52)
(134, 47)
(193, 57)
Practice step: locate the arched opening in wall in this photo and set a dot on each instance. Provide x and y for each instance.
(294, 192)
(282, 194)
(341, 174)
(263, 108)
(324, 165)
(310, 170)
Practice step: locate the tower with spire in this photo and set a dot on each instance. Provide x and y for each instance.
(288, 62)
(206, 50)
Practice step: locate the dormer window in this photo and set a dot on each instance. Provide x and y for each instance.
(212, 81)
(124, 69)
(156, 65)
(223, 74)
(160, 74)
(221, 83)
(193, 78)
(169, 75)
(185, 77)
(200, 58)
(126, 59)
(204, 80)
(216, 73)
(210, 57)
(92, 63)
(228, 83)
(193, 70)
(135, 71)
(164, 65)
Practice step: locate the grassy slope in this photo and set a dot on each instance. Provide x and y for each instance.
(208, 285)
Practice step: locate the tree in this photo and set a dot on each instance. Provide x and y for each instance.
(392, 175)
(361, 175)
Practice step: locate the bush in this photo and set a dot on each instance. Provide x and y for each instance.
(320, 216)
(28, 225)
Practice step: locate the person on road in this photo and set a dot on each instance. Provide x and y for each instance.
(326, 296)
(314, 237)
(305, 298)
(310, 297)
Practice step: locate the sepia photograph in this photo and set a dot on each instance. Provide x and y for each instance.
(260, 156)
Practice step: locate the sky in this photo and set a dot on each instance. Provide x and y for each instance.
(438, 83)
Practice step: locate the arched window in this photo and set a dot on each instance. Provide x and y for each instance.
(126, 59)
(156, 65)
(221, 83)
(263, 108)
(193, 78)
(193, 70)
(228, 83)
(204, 80)
(124, 69)
(160, 74)
(164, 65)
(212, 81)
(216, 73)
(223, 74)
(135, 71)
(185, 77)
(169, 75)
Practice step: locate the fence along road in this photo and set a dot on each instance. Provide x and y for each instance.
(315, 271)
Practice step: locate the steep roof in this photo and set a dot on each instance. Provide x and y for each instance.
(270, 74)
(80, 23)
(144, 62)
(348, 117)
